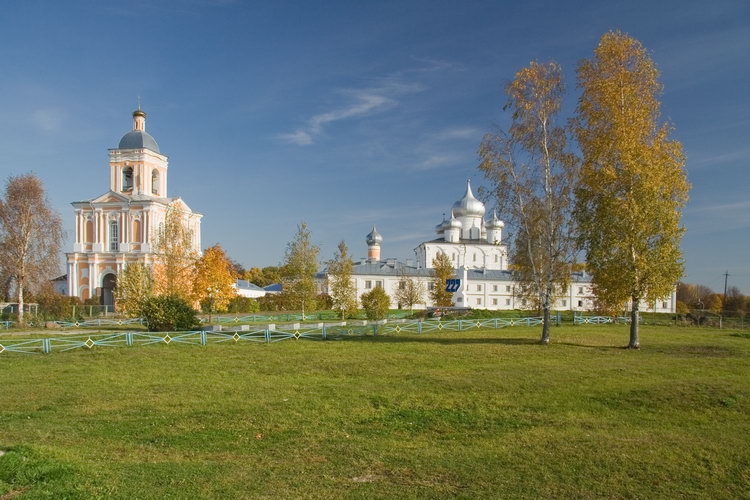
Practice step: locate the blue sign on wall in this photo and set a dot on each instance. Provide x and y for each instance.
(452, 285)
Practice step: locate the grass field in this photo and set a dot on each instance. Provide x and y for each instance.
(469, 414)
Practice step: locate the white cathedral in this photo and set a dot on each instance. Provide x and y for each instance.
(118, 227)
(474, 245)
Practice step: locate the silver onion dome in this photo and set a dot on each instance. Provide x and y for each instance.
(374, 238)
(468, 206)
(494, 222)
(453, 223)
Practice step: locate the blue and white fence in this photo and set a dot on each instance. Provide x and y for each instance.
(262, 335)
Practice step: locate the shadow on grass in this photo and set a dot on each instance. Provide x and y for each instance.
(439, 340)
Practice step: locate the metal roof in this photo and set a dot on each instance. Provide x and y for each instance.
(246, 285)
(138, 139)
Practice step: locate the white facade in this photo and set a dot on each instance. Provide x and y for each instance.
(467, 238)
(118, 227)
(475, 247)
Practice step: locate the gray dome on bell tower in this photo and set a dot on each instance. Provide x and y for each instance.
(138, 138)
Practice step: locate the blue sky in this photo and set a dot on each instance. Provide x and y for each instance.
(349, 114)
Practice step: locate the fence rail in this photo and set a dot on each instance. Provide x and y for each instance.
(261, 335)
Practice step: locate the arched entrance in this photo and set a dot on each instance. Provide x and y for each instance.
(109, 283)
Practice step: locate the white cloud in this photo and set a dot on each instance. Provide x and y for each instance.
(359, 103)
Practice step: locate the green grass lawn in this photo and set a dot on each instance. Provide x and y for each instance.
(471, 414)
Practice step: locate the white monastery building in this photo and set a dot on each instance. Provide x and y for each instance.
(118, 227)
(475, 246)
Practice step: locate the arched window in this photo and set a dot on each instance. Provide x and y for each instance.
(137, 231)
(89, 231)
(154, 181)
(127, 179)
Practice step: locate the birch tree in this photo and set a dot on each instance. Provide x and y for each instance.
(300, 266)
(443, 268)
(30, 236)
(633, 184)
(410, 291)
(174, 269)
(214, 280)
(532, 178)
(340, 285)
(135, 283)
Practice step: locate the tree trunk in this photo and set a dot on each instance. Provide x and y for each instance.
(545, 326)
(20, 302)
(634, 317)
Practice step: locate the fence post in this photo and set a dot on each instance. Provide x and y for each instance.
(459, 325)
(419, 326)
(268, 335)
(325, 332)
(46, 347)
(129, 339)
(203, 337)
(374, 329)
(494, 322)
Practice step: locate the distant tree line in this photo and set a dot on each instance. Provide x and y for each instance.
(697, 297)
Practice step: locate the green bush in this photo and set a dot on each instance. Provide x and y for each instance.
(376, 303)
(164, 313)
(244, 305)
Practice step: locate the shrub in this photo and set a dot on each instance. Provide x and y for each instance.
(243, 305)
(376, 303)
(324, 302)
(165, 313)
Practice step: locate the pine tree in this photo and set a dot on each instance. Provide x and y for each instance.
(633, 183)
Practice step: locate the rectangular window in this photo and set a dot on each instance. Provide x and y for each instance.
(580, 289)
(565, 303)
(496, 258)
(431, 285)
(479, 302)
(113, 237)
(379, 284)
(494, 302)
(507, 288)
(401, 285)
(507, 302)
(475, 257)
(580, 303)
(665, 305)
(460, 299)
(479, 288)
(368, 284)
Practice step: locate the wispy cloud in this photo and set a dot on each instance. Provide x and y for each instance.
(48, 119)
(440, 160)
(459, 133)
(720, 207)
(359, 103)
(726, 157)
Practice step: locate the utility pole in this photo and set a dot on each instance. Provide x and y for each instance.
(726, 278)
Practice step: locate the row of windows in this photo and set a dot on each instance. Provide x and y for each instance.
(127, 180)
(474, 258)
